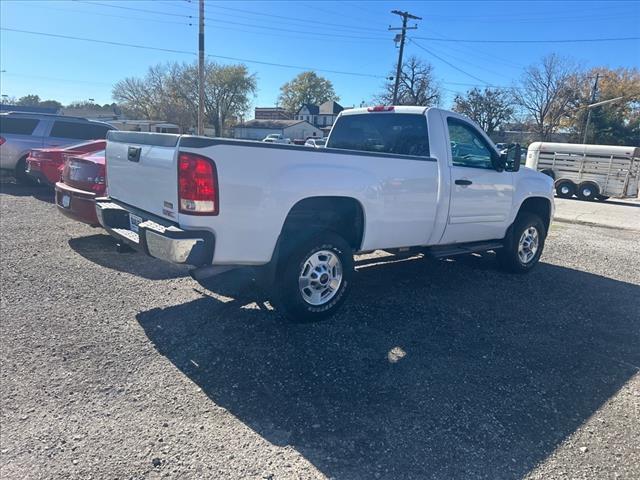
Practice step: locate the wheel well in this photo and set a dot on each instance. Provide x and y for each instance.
(540, 206)
(342, 215)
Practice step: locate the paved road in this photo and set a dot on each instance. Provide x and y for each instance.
(617, 214)
(118, 366)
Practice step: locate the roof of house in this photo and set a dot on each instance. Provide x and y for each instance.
(313, 109)
(273, 124)
(330, 108)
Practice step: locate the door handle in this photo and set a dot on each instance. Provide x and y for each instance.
(463, 182)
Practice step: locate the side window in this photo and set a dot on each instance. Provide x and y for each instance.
(18, 126)
(468, 147)
(77, 130)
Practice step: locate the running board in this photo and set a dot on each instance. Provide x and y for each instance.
(445, 251)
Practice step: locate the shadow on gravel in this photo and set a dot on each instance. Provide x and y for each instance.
(101, 249)
(445, 369)
(43, 193)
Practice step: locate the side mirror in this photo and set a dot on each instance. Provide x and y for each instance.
(511, 157)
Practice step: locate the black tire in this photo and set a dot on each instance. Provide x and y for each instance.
(588, 191)
(20, 173)
(565, 189)
(509, 257)
(290, 297)
(602, 198)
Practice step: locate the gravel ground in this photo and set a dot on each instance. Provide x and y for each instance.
(118, 366)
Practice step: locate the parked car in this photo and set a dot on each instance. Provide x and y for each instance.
(21, 132)
(83, 179)
(45, 164)
(276, 138)
(590, 172)
(316, 142)
(299, 215)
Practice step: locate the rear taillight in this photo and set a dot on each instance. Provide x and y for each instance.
(380, 108)
(197, 185)
(2, 140)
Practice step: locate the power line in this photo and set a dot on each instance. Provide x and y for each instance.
(299, 32)
(126, 17)
(303, 20)
(169, 50)
(144, 10)
(575, 40)
(446, 61)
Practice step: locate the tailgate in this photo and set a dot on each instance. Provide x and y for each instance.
(142, 171)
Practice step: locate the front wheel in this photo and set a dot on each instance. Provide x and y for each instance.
(20, 173)
(523, 245)
(314, 278)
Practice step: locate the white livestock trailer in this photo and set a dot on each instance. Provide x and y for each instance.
(590, 172)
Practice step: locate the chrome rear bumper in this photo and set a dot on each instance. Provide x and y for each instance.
(165, 241)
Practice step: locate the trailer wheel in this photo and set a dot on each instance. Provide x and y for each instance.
(565, 189)
(588, 191)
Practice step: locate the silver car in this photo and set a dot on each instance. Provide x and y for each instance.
(21, 131)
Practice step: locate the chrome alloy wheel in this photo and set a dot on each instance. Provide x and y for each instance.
(320, 277)
(565, 189)
(528, 244)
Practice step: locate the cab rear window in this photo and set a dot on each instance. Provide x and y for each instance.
(399, 133)
(18, 126)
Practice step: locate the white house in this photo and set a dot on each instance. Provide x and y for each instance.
(293, 129)
(322, 116)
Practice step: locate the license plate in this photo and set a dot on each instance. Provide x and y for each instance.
(66, 201)
(134, 221)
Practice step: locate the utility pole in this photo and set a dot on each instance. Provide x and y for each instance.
(594, 92)
(201, 70)
(405, 16)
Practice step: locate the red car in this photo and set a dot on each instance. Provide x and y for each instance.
(83, 179)
(45, 164)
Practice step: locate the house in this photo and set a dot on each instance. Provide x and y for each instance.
(308, 113)
(293, 129)
(271, 113)
(153, 126)
(322, 116)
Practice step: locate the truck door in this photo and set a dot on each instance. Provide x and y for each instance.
(481, 196)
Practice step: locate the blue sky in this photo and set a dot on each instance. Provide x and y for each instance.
(347, 36)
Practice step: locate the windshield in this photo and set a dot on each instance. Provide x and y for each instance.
(399, 133)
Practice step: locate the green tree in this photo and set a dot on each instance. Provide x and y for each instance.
(489, 108)
(29, 101)
(306, 88)
(614, 124)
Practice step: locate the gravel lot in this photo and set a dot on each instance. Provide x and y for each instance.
(118, 366)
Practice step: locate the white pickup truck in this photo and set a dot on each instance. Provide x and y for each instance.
(392, 178)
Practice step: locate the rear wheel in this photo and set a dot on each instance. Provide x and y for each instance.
(523, 245)
(314, 278)
(565, 189)
(588, 191)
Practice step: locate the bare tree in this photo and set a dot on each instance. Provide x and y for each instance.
(546, 93)
(170, 92)
(417, 85)
(489, 108)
